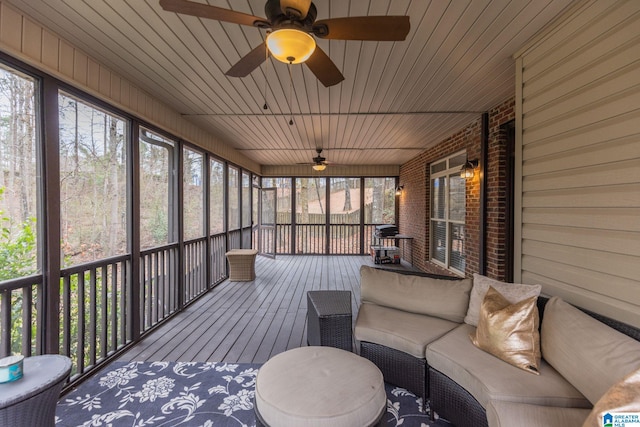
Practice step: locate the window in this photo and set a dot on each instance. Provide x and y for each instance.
(283, 186)
(380, 200)
(246, 199)
(156, 187)
(447, 224)
(19, 172)
(345, 200)
(193, 187)
(234, 198)
(93, 182)
(216, 196)
(311, 215)
(311, 200)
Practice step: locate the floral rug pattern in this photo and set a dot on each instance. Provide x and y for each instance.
(154, 394)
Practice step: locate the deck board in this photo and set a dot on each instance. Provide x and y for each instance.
(250, 322)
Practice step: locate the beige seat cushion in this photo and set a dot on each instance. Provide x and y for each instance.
(398, 329)
(488, 378)
(510, 414)
(574, 343)
(447, 299)
(319, 387)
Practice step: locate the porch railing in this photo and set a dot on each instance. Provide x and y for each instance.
(95, 307)
(311, 239)
(158, 285)
(195, 269)
(21, 316)
(96, 310)
(218, 264)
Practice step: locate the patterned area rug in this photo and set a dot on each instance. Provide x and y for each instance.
(164, 394)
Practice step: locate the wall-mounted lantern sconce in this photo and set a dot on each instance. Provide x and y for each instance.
(467, 169)
(399, 189)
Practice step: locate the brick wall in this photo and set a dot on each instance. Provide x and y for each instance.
(414, 201)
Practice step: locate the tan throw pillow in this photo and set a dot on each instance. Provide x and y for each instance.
(509, 331)
(513, 292)
(621, 397)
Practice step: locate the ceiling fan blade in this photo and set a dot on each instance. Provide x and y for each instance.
(249, 62)
(295, 7)
(324, 69)
(211, 12)
(381, 28)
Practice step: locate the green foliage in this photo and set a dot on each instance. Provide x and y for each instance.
(17, 259)
(17, 253)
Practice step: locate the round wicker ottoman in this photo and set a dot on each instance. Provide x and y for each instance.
(31, 400)
(318, 387)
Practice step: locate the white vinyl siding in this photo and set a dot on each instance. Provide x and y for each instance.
(578, 148)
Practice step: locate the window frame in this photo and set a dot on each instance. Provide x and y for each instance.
(450, 168)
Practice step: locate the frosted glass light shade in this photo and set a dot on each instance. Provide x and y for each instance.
(290, 45)
(319, 167)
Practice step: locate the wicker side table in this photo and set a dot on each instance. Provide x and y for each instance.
(242, 264)
(329, 319)
(31, 400)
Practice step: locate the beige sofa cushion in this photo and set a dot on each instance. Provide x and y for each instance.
(408, 332)
(513, 292)
(575, 343)
(488, 378)
(447, 299)
(510, 414)
(622, 397)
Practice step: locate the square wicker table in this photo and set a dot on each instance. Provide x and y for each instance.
(329, 319)
(242, 264)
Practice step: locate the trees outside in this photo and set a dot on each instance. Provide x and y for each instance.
(216, 196)
(380, 202)
(19, 170)
(234, 198)
(193, 194)
(93, 182)
(18, 174)
(157, 158)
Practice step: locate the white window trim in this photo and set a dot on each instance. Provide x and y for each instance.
(447, 172)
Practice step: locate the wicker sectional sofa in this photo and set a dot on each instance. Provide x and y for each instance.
(413, 328)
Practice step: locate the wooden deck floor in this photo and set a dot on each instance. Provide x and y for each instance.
(249, 322)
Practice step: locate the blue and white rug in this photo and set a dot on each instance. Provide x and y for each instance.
(154, 394)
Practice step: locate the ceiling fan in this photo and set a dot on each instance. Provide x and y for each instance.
(319, 163)
(292, 25)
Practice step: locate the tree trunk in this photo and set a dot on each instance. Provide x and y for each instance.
(347, 196)
(377, 208)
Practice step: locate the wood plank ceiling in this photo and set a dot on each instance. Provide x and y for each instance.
(397, 99)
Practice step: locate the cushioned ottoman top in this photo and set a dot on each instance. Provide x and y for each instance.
(319, 386)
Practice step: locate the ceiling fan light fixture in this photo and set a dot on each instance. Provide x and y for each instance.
(291, 46)
(319, 167)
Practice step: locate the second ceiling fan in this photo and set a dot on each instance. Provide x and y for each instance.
(293, 27)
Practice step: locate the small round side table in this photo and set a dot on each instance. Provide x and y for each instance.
(31, 400)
